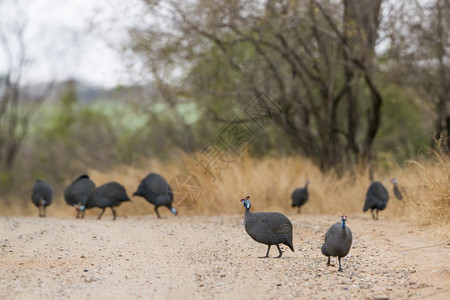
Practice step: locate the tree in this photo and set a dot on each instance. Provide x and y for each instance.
(15, 109)
(315, 58)
(419, 44)
(13, 124)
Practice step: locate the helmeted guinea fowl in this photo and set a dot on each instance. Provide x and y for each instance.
(376, 198)
(108, 195)
(76, 194)
(397, 192)
(41, 196)
(300, 196)
(270, 228)
(155, 189)
(338, 241)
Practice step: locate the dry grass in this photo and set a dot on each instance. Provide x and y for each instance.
(429, 199)
(270, 181)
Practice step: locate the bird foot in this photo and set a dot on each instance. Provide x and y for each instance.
(267, 256)
(340, 270)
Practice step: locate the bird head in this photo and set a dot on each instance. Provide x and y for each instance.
(42, 202)
(394, 181)
(79, 207)
(343, 219)
(174, 211)
(246, 202)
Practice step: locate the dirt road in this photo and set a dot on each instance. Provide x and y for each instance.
(213, 257)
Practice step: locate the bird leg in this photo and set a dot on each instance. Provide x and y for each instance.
(267, 254)
(101, 214)
(377, 214)
(114, 212)
(329, 260)
(373, 215)
(340, 269)
(157, 213)
(281, 252)
(82, 213)
(41, 208)
(78, 214)
(298, 209)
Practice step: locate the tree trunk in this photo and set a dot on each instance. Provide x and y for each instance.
(361, 20)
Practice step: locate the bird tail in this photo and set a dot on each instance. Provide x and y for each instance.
(290, 246)
(366, 205)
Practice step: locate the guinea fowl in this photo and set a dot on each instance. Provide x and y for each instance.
(76, 194)
(270, 228)
(397, 192)
(300, 196)
(155, 189)
(108, 195)
(338, 241)
(376, 198)
(41, 195)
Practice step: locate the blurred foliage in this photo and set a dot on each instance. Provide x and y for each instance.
(76, 136)
(404, 131)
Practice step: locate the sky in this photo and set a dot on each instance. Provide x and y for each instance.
(74, 39)
(77, 39)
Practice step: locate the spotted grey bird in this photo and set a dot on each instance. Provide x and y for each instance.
(376, 198)
(155, 189)
(270, 228)
(299, 196)
(76, 194)
(41, 196)
(108, 195)
(397, 192)
(338, 241)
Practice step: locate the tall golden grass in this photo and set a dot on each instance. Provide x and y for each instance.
(425, 185)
